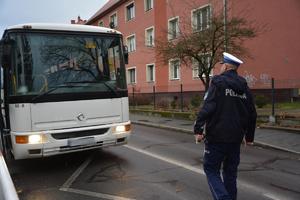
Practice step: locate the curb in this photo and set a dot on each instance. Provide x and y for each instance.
(260, 144)
(163, 127)
(294, 130)
(265, 126)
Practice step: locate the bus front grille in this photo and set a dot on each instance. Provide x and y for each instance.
(61, 136)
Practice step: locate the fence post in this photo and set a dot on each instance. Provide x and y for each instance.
(273, 97)
(181, 97)
(154, 97)
(272, 118)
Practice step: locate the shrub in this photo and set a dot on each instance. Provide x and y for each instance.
(196, 101)
(261, 101)
(140, 100)
(163, 104)
(174, 102)
(186, 105)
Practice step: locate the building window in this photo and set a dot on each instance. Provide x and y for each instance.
(113, 21)
(201, 18)
(150, 72)
(149, 37)
(173, 28)
(174, 69)
(206, 60)
(101, 24)
(131, 43)
(148, 4)
(130, 13)
(131, 75)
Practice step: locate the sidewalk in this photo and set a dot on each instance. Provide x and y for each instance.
(277, 139)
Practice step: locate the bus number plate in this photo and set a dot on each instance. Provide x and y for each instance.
(82, 141)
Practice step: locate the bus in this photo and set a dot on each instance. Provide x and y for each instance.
(63, 89)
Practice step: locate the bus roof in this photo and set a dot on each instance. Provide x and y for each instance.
(64, 27)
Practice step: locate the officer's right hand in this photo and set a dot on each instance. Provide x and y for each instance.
(199, 137)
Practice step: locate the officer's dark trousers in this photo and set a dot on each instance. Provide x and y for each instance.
(222, 188)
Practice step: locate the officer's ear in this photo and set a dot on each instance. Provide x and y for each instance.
(230, 66)
(226, 66)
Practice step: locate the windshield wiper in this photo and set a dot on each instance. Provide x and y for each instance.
(65, 85)
(115, 92)
(71, 85)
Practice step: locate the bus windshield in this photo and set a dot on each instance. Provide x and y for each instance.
(82, 63)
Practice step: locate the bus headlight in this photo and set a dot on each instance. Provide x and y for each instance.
(30, 139)
(35, 139)
(122, 128)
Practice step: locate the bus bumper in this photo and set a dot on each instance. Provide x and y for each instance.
(63, 141)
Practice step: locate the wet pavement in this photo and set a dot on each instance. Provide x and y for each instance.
(278, 139)
(156, 164)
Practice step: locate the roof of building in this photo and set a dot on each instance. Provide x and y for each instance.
(64, 27)
(104, 9)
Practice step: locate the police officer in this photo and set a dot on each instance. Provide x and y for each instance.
(228, 115)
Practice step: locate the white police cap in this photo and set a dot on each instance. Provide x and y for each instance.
(228, 58)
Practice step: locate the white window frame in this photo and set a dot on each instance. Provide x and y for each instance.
(195, 68)
(170, 36)
(101, 21)
(129, 77)
(133, 14)
(146, 37)
(147, 72)
(193, 19)
(145, 5)
(116, 24)
(134, 45)
(171, 70)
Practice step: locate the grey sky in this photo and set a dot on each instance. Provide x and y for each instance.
(57, 11)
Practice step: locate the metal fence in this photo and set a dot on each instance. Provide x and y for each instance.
(184, 97)
(7, 188)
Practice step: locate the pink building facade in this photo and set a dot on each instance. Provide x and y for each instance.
(274, 52)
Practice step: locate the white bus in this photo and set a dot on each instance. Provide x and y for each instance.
(64, 89)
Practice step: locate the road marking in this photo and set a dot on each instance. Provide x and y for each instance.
(72, 178)
(168, 160)
(94, 194)
(66, 186)
(242, 183)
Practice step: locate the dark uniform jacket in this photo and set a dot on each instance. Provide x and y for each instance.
(228, 112)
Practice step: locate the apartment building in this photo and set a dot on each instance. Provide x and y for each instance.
(274, 52)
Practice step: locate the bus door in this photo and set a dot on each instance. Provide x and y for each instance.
(5, 61)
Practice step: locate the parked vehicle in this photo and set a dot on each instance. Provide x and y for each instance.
(64, 89)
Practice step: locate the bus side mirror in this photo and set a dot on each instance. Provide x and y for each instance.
(5, 52)
(126, 54)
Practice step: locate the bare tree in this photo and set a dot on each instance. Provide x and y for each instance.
(194, 45)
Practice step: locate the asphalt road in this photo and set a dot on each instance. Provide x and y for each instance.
(157, 164)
